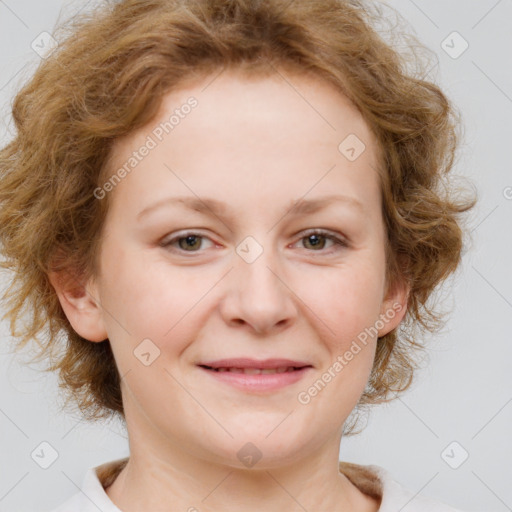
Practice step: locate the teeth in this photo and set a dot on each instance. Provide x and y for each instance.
(257, 371)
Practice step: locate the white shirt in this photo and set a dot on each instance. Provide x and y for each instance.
(93, 498)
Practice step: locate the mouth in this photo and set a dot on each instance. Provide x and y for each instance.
(254, 371)
(251, 375)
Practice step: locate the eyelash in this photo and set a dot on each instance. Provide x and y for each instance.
(337, 241)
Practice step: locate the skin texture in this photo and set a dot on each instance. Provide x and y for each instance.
(257, 145)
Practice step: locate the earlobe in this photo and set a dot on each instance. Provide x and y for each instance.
(80, 304)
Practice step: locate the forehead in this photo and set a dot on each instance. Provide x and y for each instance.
(280, 135)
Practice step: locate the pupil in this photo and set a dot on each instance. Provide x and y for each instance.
(190, 241)
(314, 240)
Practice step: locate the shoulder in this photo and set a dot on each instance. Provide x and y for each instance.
(92, 496)
(378, 482)
(75, 503)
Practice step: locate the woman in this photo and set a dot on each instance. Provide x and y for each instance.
(230, 208)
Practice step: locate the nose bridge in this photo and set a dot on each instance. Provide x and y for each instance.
(258, 296)
(253, 267)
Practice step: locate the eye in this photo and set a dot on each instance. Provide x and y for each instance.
(316, 238)
(188, 242)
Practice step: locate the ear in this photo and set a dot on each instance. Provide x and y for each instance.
(394, 306)
(80, 304)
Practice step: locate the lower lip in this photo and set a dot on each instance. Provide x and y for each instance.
(258, 382)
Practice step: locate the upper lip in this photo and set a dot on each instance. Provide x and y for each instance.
(245, 362)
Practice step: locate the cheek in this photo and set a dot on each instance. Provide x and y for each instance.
(348, 299)
(145, 297)
(349, 304)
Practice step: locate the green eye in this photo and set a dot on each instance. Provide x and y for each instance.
(186, 242)
(314, 241)
(317, 239)
(190, 242)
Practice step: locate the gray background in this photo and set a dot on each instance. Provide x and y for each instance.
(464, 395)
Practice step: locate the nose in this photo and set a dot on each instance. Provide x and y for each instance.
(258, 297)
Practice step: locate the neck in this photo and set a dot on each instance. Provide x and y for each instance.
(165, 473)
(147, 482)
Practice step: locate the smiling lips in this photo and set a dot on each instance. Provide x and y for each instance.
(257, 371)
(253, 375)
(266, 366)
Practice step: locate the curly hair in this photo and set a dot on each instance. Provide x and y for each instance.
(107, 77)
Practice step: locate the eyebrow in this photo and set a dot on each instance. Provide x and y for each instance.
(211, 206)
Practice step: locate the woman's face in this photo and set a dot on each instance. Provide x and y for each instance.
(250, 282)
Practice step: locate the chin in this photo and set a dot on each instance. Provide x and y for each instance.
(255, 449)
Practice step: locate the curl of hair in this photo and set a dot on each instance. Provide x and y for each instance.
(107, 77)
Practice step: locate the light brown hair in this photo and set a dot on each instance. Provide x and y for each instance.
(107, 77)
